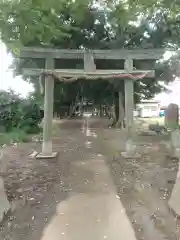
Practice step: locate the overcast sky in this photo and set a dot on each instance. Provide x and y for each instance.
(7, 81)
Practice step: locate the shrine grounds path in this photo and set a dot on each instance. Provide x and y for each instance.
(90, 192)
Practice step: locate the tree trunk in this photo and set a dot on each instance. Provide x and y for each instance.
(113, 115)
(74, 106)
(101, 110)
(120, 122)
(118, 116)
(70, 110)
(115, 110)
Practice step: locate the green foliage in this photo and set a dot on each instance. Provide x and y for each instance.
(39, 22)
(81, 24)
(15, 136)
(19, 113)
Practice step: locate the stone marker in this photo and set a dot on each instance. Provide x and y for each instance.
(174, 201)
(175, 143)
(172, 125)
(4, 203)
(172, 116)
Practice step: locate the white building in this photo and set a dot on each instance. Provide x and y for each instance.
(148, 108)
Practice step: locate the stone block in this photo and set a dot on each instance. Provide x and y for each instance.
(172, 116)
(4, 203)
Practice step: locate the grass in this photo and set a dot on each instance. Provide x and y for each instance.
(154, 120)
(15, 136)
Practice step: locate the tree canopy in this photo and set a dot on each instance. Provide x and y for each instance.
(92, 24)
(39, 22)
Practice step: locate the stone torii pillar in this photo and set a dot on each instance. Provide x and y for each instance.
(129, 95)
(130, 147)
(48, 114)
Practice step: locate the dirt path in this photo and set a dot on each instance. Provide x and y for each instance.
(71, 197)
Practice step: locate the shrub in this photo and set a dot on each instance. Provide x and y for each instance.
(15, 136)
(17, 113)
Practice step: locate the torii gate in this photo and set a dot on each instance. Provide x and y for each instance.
(128, 74)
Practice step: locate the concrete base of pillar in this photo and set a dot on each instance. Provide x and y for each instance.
(131, 150)
(46, 156)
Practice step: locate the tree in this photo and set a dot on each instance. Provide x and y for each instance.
(81, 24)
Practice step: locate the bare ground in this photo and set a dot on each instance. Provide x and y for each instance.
(144, 185)
(32, 184)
